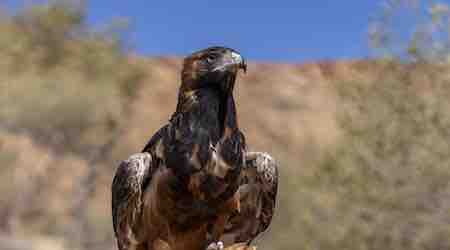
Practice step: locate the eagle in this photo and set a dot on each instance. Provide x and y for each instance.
(195, 185)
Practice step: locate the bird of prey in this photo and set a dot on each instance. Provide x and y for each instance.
(194, 185)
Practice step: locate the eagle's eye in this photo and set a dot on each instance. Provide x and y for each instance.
(211, 58)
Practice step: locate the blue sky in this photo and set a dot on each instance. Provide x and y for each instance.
(283, 31)
(260, 30)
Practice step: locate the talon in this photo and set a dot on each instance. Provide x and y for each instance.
(215, 246)
(212, 246)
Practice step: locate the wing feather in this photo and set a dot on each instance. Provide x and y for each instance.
(258, 191)
(127, 192)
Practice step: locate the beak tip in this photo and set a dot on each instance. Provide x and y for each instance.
(238, 59)
(243, 65)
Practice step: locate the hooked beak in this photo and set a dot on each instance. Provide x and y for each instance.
(232, 60)
(239, 60)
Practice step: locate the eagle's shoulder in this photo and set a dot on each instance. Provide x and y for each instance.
(156, 138)
(258, 190)
(266, 167)
(127, 189)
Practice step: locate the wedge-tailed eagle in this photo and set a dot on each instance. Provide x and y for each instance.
(194, 185)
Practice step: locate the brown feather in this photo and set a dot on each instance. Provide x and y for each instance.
(258, 191)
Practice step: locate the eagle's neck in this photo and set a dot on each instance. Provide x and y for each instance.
(212, 108)
(230, 116)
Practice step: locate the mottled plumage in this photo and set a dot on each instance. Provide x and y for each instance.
(194, 177)
(257, 191)
(128, 188)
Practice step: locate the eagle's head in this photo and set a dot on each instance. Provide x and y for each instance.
(214, 67)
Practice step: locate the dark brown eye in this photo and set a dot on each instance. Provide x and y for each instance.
(210, 58)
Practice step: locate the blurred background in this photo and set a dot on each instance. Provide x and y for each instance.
(352, 99)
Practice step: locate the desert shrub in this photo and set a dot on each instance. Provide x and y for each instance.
(68, 88)
(62, 82)
(411, 30)
(7, 187)
(385, 184)
(390, 173)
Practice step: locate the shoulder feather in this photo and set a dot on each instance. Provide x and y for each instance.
(127, 189)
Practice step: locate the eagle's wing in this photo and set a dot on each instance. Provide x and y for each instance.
(128, 187)
(257, 191)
